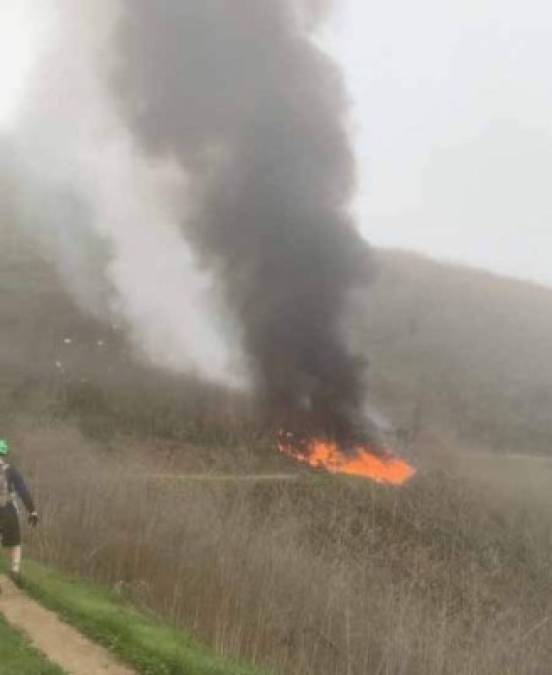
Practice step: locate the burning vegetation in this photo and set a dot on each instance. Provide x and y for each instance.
(361, 460)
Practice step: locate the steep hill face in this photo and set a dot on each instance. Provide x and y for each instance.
(59, 362)
(46, 341)
(461, 350)
(450, 348)
(40, 325)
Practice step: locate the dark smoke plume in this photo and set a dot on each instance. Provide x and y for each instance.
(237, 93)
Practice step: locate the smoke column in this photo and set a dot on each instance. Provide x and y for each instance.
(106, 215)
(237, 93)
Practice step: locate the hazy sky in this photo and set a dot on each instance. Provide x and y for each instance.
(453, 114)
(452, 122)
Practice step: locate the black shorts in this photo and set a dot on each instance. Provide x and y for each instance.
(10, 530)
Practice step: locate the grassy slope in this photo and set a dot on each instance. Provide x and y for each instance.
(450, 347)
(461, 350)
(17, 657)
(59, 362)
(152, 648)
(316, 575)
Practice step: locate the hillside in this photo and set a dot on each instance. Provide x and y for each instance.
(317, 575)
(459, 350)
(87, 629)
(451, 350)
(59, 362)
(312, 575)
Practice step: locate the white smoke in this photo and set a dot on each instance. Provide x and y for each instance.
(87, 192)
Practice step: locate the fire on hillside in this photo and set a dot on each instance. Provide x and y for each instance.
(362, 462)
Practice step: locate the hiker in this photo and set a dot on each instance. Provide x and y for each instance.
(12, 485)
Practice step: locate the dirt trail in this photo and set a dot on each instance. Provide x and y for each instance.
(61, 643)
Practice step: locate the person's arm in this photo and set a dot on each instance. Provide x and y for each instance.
(21, 489)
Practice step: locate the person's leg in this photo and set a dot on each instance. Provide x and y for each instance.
(15, 559)
(12, 539)
(1, 532)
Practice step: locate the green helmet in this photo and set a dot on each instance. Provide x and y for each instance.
(4, 447)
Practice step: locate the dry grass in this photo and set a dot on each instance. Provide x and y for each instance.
(314, 576)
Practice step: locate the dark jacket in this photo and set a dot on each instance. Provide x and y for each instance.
(16, 486)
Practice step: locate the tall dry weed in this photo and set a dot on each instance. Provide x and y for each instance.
(313, 576)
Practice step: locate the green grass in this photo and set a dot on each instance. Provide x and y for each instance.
(150, 647)
(17, 656)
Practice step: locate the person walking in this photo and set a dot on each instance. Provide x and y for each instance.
(12, 485)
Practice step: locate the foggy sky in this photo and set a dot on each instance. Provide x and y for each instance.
(453, 109)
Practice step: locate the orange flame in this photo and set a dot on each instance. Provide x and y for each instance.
(323, 454)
